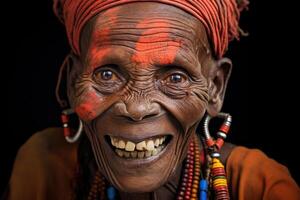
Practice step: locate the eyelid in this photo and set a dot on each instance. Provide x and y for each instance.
(111, 67)
(176, 71)
(170, 69)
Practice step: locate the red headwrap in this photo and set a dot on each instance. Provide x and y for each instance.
(219, 17)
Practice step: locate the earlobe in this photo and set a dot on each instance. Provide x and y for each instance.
(217, 85)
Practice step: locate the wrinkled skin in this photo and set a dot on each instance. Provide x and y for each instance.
(145, 69)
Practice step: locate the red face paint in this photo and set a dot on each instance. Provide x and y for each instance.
(155, 43)
(88, 107)
(101, 36)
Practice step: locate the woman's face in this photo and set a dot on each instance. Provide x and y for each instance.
(141, 87)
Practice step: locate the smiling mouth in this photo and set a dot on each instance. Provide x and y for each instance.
(143, 149)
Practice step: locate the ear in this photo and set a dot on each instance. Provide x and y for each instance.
(75, 68)
(218, 78)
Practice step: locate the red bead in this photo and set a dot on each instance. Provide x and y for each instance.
(191, 162)
(219, 143)
(64, 118)
(187, 193)
(210, 142)
(67, 132)
(224, 128)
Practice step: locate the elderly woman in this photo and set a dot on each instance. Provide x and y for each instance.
(142, 77)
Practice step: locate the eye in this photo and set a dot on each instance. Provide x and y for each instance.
(176, 78)
(105, 75)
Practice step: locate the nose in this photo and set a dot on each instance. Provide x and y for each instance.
(137, 110)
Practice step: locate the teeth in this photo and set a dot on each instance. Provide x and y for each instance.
(121, 144)
(141, 154)
(126, 154)
(150, 145)
(141, 146)
(138, 154)
(143, 149)
(112, 141)
(119, 152)
(148, 154)
(159, 148)
(133, 154)
(156, 143)
(130, 146)
(154, 152)
(161, 140)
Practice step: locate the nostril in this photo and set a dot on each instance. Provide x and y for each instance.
(139, 117)
(137, 111)
(149, 116)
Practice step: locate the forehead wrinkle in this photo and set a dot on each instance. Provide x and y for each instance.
(123, 30)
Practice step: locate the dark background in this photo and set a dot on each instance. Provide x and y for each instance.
(261, 96)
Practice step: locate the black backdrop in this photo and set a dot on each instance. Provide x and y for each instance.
(261, 93)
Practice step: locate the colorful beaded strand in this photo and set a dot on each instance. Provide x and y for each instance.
(219, 180)
(191, 173)
(97, 190)
(197, 169)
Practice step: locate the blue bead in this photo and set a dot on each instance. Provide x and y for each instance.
(203, 185)
(111, 193)
(203, 195)
(203, 189)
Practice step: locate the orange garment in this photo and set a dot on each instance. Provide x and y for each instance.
(45, 165)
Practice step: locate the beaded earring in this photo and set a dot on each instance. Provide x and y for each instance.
(216, 174)
(67, 131)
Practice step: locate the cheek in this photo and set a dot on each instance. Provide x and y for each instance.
(191, 111)
(88, 106)
(187, 111)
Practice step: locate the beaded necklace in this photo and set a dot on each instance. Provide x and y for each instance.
(194, 183)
